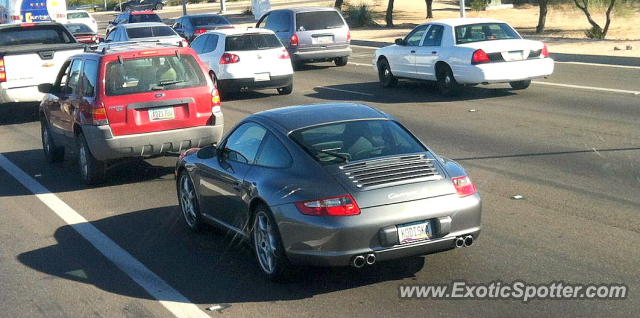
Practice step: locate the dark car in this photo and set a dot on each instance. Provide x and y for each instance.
(133, 17)
(328, 185)
(140, 5)
(127, 101)
(83, 33)
(311, 34)
(190, 26)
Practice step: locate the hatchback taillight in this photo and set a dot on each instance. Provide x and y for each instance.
(334, 206)
(228, 58)
(284, 54)
(199, 31)
(3, 71)
(480, 56)
(464, 186)
(545, 51)
(294, 40)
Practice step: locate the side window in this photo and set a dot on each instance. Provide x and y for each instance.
(73, 81)
(111, 36)
(278, 22)
(264, 21)
(61, 80)
(434, 36)
(199, 43)
(211, 43)
(273, 154)
(244, 142)
(89, 78)
(414, 38)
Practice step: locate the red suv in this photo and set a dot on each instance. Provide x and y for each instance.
(128, 101)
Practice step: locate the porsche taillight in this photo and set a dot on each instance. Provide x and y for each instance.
(464, 186)
(343, 205)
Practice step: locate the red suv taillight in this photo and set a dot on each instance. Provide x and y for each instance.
(96, 114)
(3, 72)
(334, 206)
(199, 31)
(284, 54)
(464, 186)
(294, 40)
(228, 58)
(215, 97)
(480, 56)
(545, 51)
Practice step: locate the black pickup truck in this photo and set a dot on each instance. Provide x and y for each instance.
(32, 54)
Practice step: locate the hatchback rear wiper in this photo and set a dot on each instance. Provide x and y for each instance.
(160, 86)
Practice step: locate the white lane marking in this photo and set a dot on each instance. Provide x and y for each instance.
(344, 90)
(599, 64)
(170, 298)
(601, 89)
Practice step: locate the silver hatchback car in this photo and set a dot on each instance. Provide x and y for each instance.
(312, 34)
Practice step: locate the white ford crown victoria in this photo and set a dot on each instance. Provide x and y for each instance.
(464, 51)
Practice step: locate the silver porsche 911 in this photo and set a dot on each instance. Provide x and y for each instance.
(328, 185)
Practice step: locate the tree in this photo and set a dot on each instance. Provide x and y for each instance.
(389, 16)
(338, 4)
(596, 31)
(542, 16)
(429, 8)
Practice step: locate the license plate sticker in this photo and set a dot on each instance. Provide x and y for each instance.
(258, 77)
(161, 113)
(416, 231)
(322, 39)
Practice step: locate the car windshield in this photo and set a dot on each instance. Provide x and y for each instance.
(77, 15)
(39, 34)
(208, 20)
(155, 73)
(484, 32)
(135, 18)
(252, 41)
(318, 20)
(148, 32)
(356, 140)
(78, 28)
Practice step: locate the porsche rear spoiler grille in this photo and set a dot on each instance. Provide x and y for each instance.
(402, 169)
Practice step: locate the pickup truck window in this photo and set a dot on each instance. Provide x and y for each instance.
(45, 34)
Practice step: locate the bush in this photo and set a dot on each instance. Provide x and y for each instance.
(594, 33)
(359, 15)
(478, 5)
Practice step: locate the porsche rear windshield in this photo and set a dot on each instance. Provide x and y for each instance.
(484, 32)
(148, 32)
(37, 34)
(253, 41)
(356, 140)
(155, 73)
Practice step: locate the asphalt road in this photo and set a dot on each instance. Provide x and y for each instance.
(572, 152)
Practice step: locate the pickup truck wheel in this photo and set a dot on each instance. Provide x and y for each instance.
(341, 61)
(285, 90)
(520, 84)
(92, 170)
(51, 151)
(446, 82)
(385, 75)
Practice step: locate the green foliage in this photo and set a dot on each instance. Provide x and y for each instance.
(360, 15)
(478, 5)
(595, 33)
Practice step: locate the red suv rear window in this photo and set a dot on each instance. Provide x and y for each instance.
(153, 73)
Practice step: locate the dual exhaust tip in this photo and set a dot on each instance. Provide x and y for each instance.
(464, 241)
(361, 260)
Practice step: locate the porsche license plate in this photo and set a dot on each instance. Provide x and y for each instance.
(416, 231)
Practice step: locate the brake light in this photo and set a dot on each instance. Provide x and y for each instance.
(545, 51)
(215, 99)
(26, 25)
(480, 56)
(16, 18)
(464, 186)
(284, 54)
(348, 36)
(334, 206)
(294, 40)
(199, 31)
(228, 58)
(98, 114)
(3, 72)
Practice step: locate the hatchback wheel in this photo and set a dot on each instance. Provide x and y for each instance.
(446, 82)
(92, 170)
(341, 61)
(520, 84)
(51, 151)
(189, 202)
(267, 246)
(384, 74)
(285, 90)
